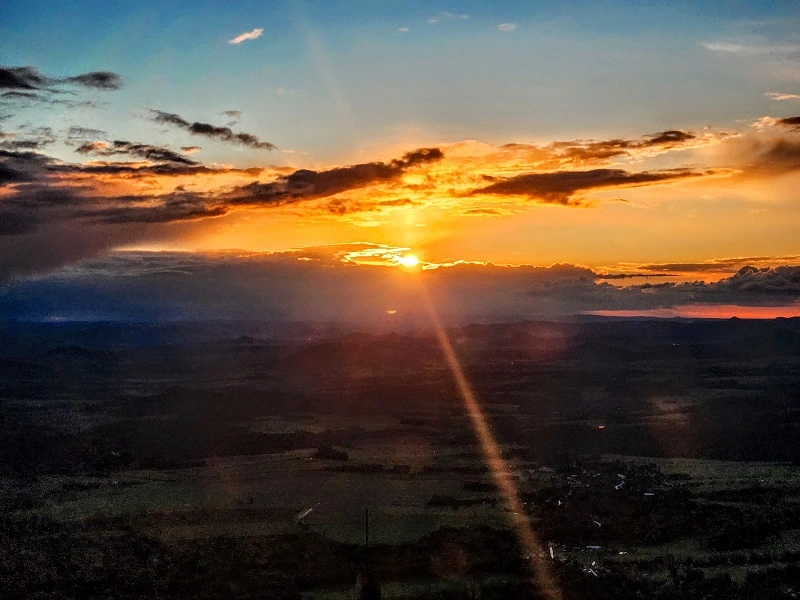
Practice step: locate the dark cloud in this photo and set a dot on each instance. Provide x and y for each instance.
(612, 276)
(14, 223)
(23, 144)
(776, 156)
(560, 187)
(85, 132)
(600, 150)
(34, 196)
(44, 201)
(29, 78)
(480, 212)
(43, 226)
(21, 78)
(79, 135)
(719, 265)
(10, 175)
(36, 139)
(56, 243)
(225, 134)
(147, 151)
(686, 267)
(306, 184)
(666, 138)
(777, 280)
(791, 122)
(170, 119)
(20, 95)
(137, 170)
(33, 158)
(101, 80)
(26, 86)
(17, 165)
(171, 208)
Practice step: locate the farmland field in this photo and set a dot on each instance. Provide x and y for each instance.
(137, 467)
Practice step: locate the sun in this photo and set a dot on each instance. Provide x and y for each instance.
(408, 260)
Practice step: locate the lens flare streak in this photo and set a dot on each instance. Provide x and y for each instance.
(496, 462)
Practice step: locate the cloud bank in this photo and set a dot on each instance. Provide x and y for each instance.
(323, 284)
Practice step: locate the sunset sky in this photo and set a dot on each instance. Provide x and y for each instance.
(641, 147)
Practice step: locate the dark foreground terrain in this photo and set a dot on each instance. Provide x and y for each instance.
(654, 459)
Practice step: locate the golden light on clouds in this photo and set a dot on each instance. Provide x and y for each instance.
(592, 202)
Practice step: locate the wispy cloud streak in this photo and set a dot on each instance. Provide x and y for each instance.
(247, 35)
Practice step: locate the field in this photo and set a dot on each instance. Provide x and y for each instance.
(655, 459)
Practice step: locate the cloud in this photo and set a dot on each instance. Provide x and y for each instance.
(779, 280)
(11, 175)
(183, 285)
(22, 87)
(483, 212)
(134, 190)
(22, 165)
(54, 212)
(15, 95)
(282, 91)
(77, 134)
(224, 134)
(403, 29)
(247, 35)
(779, 156)
(46, 196)
(22, 78)
(612, 276)
(24, 144)
(506, 27)
(48, 96)
(746, 49)
(178, 206)
(147, 151)
(560, 187)
(36, 138)
(306, 184)
(234, 116)
(13, 223)
(101, 80)
(790, 122)
(765, 154)
(593, 150)
(445, 16)
(720, 265)
(782, 97)
(29, 78)
(47, 224)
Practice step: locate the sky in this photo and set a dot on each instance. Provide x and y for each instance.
(647, 151)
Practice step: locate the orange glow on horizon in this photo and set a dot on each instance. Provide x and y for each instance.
(703, 311)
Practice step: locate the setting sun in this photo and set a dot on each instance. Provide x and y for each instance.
(409, 260)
